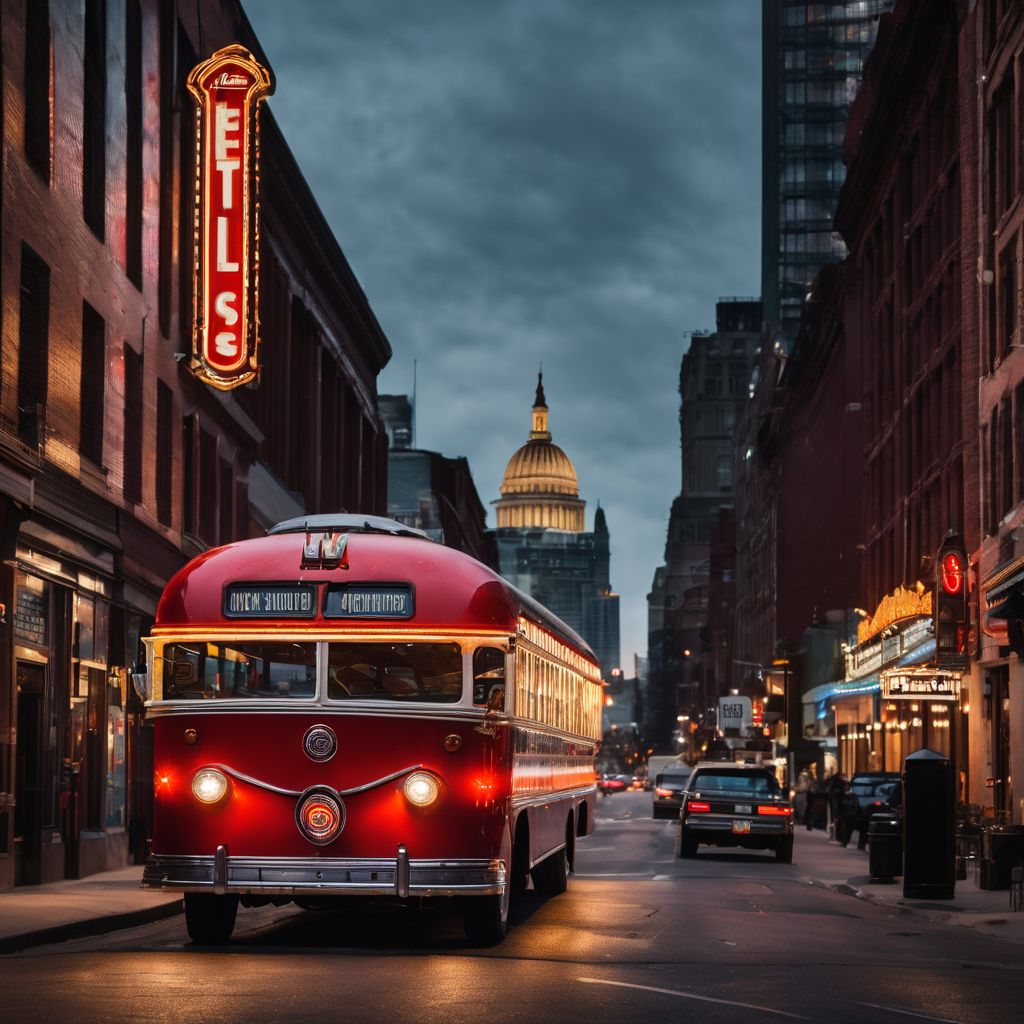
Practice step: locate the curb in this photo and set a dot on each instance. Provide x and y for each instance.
(90, 926)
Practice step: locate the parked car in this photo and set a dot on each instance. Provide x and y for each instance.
(868, 794)
(668, 791)
(726, 804)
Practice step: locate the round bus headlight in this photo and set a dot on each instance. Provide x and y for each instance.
(320, 815)
(421, 789)
(209, 786)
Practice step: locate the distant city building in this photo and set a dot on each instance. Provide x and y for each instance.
(436, 494)
(714, 383)
(396, 415)
(812, 60)
(542, 546)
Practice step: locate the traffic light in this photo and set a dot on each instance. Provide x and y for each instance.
(950, 611)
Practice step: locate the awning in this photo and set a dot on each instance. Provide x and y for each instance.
(919, 655)
(842, 688)
(1011, 608)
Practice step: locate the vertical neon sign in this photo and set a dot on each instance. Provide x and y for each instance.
(228, 89)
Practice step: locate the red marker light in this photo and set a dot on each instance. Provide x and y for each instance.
(952, 573)
(320, 817)
(774, 809)
(700, 806)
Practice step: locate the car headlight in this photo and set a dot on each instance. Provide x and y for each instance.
(209, 785)
(421, 789)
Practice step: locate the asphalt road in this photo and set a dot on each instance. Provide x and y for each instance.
(640, 936)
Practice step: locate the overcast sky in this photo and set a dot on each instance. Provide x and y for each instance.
(515, 182)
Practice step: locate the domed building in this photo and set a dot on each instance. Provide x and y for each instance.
(543, 546)
(540, 488)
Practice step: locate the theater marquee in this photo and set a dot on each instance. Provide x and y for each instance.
(228, 90)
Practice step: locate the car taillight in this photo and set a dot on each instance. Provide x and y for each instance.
(663, 792)
(774, 809)
(698, 806)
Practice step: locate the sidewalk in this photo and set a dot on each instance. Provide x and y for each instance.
(38, 914)
(845, 870)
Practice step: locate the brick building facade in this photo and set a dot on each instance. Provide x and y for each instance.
(116, 464)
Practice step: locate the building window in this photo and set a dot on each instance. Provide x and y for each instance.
(38, 79)
(188, 474)
(168, 30)
(133, 141)
(33, 347)
(723, 472)
(94, 117)
(187, 60)
(226, 495)
(132, 424)
(91, 395)
(164, 452)
(207, 486)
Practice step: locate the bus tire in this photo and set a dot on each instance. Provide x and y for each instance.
(485, 918)
(551, 875)
(210, 919)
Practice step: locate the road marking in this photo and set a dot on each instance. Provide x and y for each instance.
(610, 874)
(910, 1013)
(691, 995)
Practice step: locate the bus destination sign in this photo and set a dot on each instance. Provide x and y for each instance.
(369, 601)
(269, 601)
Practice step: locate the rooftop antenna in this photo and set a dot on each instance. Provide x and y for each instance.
(414, 403)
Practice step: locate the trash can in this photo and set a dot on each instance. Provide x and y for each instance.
(1004, 848)
(929, 869)
(885, 847)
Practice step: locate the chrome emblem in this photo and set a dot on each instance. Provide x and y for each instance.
(320, 743)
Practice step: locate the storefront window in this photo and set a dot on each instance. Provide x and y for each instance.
(115, 809)
(32, 611)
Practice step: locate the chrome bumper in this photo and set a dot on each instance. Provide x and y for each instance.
(704, 824)
(324, 876)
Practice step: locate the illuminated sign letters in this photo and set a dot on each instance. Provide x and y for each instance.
(228, 90)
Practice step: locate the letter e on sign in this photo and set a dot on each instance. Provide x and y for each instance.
(228, 90)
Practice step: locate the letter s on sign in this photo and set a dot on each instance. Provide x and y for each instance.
(224, 308)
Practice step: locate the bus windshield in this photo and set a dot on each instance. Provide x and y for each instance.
(394, 672)
(202, 671)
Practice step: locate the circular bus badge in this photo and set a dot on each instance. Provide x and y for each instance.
(320, 743)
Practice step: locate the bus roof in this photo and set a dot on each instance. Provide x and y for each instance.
(451, 590)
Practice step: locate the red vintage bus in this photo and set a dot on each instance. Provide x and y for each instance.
(347, 708)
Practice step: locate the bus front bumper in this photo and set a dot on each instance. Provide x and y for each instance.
(325, 876)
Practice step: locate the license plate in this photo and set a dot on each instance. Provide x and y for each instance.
(741, 826)
(743, 808)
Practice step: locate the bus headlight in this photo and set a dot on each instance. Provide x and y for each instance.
(421, 789)
(209, 786)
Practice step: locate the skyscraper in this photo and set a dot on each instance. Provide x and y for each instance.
(813, 58)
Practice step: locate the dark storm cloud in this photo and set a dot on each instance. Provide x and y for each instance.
(572, 182)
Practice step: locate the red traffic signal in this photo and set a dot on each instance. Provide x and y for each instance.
(951, 572)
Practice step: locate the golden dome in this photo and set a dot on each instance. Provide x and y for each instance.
(540, 489)
(540, 467)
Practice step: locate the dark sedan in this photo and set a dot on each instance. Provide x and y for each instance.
(735, 805)
(868, 794)
(668, 793)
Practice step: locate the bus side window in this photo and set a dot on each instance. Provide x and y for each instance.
(489, 677)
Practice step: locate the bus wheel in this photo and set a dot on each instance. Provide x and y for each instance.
(485, 918)
(551, 875)
(210, 919)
